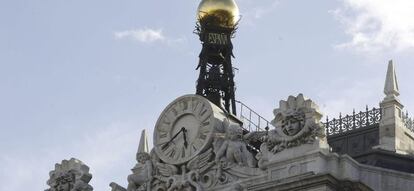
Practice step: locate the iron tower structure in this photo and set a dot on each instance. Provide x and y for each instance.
(216, 78)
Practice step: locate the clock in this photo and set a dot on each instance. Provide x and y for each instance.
(185, 128)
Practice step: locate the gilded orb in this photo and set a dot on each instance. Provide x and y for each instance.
(223, 13)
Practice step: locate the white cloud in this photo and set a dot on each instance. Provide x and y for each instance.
(141, 35)
(148, 36)
(377, 25)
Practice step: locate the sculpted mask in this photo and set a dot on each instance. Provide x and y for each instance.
(296, 122)
(292, 124)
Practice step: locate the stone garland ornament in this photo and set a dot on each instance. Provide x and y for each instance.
(296, 122)
(70, 175)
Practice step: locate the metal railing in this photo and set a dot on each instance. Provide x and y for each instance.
(408, 122)
(352, 122)
(252, 121)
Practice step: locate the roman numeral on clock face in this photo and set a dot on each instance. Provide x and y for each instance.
(205, 123)
(183, 152)
(171, 153)
(166, 120)
(197, 106)
(203, 136)
(184, 105)
(163, 134)
(203, 111)
(169, 150)
(194, 148)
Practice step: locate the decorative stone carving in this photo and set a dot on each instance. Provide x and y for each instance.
(169, 178)
(141, 178)
(297, 122)
(231, 147)
(70, 175)
(225, 162)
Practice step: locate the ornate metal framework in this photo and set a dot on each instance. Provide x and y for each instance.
(216, 79)
(408, 122)
(252, 121)
(353, 122)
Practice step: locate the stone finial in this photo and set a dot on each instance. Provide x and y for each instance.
(70, 175)
(143, 149)
(391, 85)
(393, 135)
(143, 143)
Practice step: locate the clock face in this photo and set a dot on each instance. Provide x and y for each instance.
(184, 129)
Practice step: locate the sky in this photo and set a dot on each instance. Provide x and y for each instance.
(83, 78)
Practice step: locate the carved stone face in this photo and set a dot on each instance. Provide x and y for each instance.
(64, 182)
(291, 126)
(234, 132)
(63, 187)
(142, 157)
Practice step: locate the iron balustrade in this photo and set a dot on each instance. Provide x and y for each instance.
(252, 121)
(353, 122)
(408, 122)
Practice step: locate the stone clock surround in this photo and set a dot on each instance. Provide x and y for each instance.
(198, 116)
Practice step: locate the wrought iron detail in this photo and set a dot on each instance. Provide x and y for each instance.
(408, 122)
(216, 78)
(252, 121)
(352, 122)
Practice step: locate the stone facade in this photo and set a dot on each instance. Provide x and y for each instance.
(294, 155)
(394, 135)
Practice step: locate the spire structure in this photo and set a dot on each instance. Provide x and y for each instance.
(143, 143)
(216, 26)
(391, 84)
(393, 135)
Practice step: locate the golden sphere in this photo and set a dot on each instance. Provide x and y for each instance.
(223, 13)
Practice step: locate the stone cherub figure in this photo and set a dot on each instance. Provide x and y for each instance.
(232, 148)
(142, 175)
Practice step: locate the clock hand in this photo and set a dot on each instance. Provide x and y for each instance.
(168, 143)
(185, 137)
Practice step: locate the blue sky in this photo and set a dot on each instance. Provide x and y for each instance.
(83, 78)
